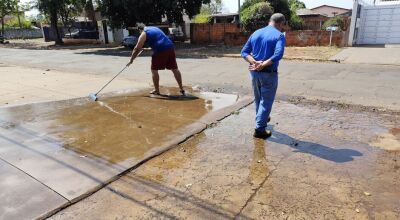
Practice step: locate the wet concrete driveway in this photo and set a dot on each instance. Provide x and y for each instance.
(321, 163)
(59, 152)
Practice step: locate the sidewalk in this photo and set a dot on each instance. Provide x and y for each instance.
(370, 55)
(53, 154)
(319, 164)
(184, 50)
(22, 85)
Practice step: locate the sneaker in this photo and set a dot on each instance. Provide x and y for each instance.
(262, 134)
(154, 92)
(183, 93)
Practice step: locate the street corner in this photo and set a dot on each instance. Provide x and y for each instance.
(72, 148)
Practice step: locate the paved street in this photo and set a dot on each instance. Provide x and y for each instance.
(331, 156)
(362, 84)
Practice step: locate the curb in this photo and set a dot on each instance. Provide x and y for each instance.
(238, 56)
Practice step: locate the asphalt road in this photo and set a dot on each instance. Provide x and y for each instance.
(361, 84)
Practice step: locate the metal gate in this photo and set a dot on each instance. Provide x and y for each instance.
(379, 25)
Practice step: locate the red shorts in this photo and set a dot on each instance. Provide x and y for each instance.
(164, 60)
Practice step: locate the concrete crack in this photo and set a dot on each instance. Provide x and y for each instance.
(255, 191)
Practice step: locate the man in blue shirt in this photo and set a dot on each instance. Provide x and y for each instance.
(264, 50)
(163, 55)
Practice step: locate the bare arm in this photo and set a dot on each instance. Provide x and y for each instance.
(138, 47)
(250, 59)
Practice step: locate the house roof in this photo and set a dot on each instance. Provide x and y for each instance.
(330, 7)
(307, 12)
(225, 15)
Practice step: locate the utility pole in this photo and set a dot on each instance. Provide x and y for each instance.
(239, 10)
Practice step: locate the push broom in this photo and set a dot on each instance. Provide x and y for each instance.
(93, 96)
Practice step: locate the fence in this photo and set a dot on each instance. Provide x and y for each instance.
(23, 33)
(211, 33)
(315, 38)
(230, 34)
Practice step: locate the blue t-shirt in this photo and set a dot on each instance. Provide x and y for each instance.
(157, 39)
(266, 43)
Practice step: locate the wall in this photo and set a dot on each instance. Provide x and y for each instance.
(230, 35)
(23, 33)
(211, 33)
(314, 38)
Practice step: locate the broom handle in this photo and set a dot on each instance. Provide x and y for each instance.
(115, 76)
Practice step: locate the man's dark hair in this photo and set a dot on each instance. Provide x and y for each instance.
(278, 18)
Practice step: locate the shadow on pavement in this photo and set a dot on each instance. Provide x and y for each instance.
(318, 150)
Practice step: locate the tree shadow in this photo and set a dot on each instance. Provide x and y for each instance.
(315, 149)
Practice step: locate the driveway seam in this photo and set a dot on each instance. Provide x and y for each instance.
(5, 161)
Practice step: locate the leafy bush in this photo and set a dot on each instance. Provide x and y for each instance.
(13, 23)
(201, 19)
(256, 16)
(337, 21)
(248, 3)
(295, 22)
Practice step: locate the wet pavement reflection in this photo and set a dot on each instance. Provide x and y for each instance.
(115, 128)
(318, 165)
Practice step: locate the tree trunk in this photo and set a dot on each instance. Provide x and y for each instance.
(54, 26)
(91, 13)
(2, 26)
(19, 20)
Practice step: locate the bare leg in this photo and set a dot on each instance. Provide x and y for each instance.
(156, 81)
(178, 77)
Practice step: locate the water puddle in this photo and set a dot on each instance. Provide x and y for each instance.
(115, 129)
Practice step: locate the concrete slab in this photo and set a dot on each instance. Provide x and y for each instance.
(75, 147)
(369, 55)
(27, 85)
(23, 197)
(321, 163)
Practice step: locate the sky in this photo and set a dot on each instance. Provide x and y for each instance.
(232, 5)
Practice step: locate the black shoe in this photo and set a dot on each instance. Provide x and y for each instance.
(183, 93)
(262, 134)
(269, 120)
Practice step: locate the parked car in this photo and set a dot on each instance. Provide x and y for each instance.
(83, 34)
(332, 28)
(176, 34)
(3, 40)
(129, 42)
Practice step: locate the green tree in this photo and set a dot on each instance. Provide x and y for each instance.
(7, 7)
(57, 10)
(337, 21)
(296, 4)
(281, 6)
(90, 12)
(214, 7)
(256, 16)
(69, 11)
(295, 21)
(129, 12)
(51, 9)
(248, 3)
(277, 6)
(18, 23)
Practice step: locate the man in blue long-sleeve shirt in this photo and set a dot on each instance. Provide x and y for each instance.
(264, 50)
